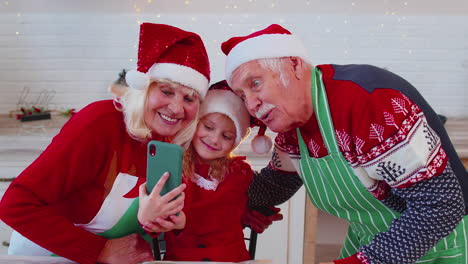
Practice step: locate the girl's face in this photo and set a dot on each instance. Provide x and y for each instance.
(170, 108)
(214, 137)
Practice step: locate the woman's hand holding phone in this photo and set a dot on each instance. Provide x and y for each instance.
(157, 213)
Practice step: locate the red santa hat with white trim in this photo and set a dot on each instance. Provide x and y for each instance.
(221, 99)
(167, 52)
(271, 42)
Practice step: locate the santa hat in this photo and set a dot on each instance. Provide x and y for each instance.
(221, 99)
(167, 52)
(271, 42)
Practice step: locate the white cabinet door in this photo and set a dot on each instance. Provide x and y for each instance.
(283, 241)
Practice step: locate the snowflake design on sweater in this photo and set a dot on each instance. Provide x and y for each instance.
(344, 140)
(359, 143)
(399, 105)
(314, 148)
(390, 120)
(376, 131)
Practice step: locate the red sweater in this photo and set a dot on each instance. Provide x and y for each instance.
(68, 182)
(214, 230)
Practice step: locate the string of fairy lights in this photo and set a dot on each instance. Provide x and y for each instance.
(143, 8)
(149, 8)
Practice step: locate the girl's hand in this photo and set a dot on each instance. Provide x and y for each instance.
(166, 224)
(154, 206)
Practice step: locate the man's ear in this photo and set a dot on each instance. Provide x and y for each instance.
(297, 67)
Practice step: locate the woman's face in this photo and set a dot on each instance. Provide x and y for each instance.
(170, 108)
(214, 137)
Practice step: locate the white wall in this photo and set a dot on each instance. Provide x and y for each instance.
(78, 54)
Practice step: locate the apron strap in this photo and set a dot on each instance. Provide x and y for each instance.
(320, 103)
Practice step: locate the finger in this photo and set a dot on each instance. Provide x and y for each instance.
(276, 217)
(175, 210)
(275, 209)
(257, 228)
(165, 223)
(160, 184)
(260, 218)
(152, 227)
(172, 194)
(178, 201)
(142, 190)
(178, 220)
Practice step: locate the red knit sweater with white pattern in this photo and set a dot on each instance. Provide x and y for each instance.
(68, 182)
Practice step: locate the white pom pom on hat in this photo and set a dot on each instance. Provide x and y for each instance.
(137, 80)
(261, 143)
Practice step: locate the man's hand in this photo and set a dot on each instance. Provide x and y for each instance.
(258, 221)
(126, 250)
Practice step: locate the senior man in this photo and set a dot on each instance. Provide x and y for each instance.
(367, 145)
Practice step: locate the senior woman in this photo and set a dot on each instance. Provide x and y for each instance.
(74, 198)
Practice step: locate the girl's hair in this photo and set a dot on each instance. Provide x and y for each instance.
(218, 167)
(133, 103)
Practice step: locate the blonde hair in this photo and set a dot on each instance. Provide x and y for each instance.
(218, 167)
(132, 104)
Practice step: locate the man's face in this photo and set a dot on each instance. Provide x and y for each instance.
(280, 108)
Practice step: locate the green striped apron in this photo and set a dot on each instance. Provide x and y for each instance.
(334, 188)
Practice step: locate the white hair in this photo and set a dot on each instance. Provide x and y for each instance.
(277, 65)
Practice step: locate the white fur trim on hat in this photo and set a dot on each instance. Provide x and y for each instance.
(226, 102)
(137, 80)
(180, 74)
(264, 47)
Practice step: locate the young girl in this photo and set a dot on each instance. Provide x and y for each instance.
(217, 183)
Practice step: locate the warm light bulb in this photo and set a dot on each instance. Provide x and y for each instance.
(17, 33)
